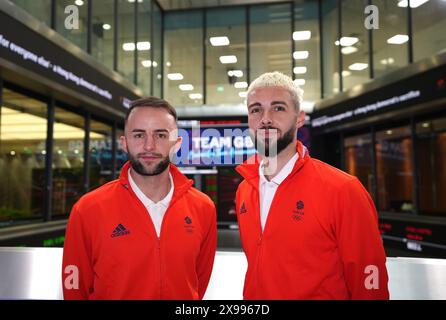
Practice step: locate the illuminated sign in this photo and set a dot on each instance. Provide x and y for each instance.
(211, 146)
(33, 52)
(417, 89)
(363, 110)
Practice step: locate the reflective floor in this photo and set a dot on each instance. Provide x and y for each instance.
(35, 273)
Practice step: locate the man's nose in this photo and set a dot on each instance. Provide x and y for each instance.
(149, 143)
(266, 119)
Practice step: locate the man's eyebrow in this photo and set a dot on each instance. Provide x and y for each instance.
(156, 130)
(278, 102)
(161, 130)
(255, 104)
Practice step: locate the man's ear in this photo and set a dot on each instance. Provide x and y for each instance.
(178, 143)
(123, 141)
(300, 119)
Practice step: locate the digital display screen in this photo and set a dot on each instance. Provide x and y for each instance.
(214, 146)
(415, 236)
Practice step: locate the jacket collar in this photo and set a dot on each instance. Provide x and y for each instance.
(181, 183)
(250, 168)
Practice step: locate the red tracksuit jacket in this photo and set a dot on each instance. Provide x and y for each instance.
(321, 238)
(111, 240)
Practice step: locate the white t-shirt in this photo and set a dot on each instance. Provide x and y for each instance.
(155, 210)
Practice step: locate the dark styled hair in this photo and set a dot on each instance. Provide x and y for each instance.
(151, 102)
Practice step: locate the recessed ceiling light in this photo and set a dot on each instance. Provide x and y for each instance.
(196, 96)
(186, 87)
(243, 94)
(387, 61)
(301, 35)
(349, 50)
(128, 46)
(347, 41)
(219, 41)
(144, 45)
(358, 66)
(141, 46)
(300, 82)
(300, 55)
(389, 132)
(106, 26)
(175, 76)
(398, 39)
(241, 85)
(228, 59)
(235, 73)
(413, 3)
(148, 64)
(346, 73)
(78, 2)
(300, 70)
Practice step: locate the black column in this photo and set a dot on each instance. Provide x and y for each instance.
(374, 190)
(416, 199)
(341, 80)
(47, 208)
(86, 171)
(89, 25)
(113, 140)
(115, 35)
(136, 36)
(204, 22)
(293, 43)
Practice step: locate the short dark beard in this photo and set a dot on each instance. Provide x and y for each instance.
(281, 143)
(139, 168)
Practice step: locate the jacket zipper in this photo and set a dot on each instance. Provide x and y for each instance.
(159, 259)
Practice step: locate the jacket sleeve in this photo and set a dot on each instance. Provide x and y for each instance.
(360, 243)
(206, 257)
(77, 271)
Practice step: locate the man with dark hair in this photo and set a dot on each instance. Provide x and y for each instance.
(148, 234)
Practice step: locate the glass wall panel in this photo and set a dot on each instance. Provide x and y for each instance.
(126, 40)
(157, 76)
(306, 15)
(68, 161)
(330, 52)
(183, 56)
(144, 35)
(103, 31)
(390, 41)
(429, 25)
(226, 56)
(76, 33)
(354, 44)
(431, 166)
(270, 40)
(358, 159)
(41, 10)
(394, 167)
(100, 154)
(22, 157)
